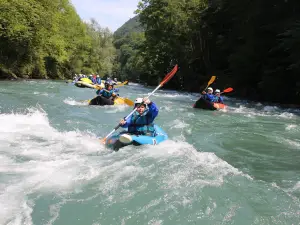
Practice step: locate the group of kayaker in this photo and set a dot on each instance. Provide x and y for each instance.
(96, 79)
(214, 98)
(140, 122)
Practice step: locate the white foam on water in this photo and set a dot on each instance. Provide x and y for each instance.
(293, 143)
(71, 101)
(178, 124)
(115, 108)
(168, 95)
(286, 115)
(296, 188)
(267, 111)
(290, 127)
(35, 158)
(40, 93)
(270, 108)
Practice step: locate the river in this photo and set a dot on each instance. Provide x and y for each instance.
(236, 166)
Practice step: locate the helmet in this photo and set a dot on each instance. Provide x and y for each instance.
(210, 89)
(97, 75)
(109, 83)
(138, 101)
(217, 91)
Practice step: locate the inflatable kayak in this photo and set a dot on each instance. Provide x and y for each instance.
(118, 82)
(122, 139)
(83, 84)
(99, 100)
(204, 104)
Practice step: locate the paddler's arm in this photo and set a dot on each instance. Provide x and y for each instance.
(125, 123)
(221, 99)
(153, 109)
(99, 92)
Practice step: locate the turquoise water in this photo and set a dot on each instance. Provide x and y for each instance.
(237, 166)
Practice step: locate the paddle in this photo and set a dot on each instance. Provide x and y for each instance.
(122, 84)
(97, 86)
(227, 90)
(212, 79)
(165, 80)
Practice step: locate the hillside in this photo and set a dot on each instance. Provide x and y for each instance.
(132, 25)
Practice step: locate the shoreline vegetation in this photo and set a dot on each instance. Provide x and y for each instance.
(254, 49)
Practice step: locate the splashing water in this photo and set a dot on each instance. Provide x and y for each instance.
(223, 167)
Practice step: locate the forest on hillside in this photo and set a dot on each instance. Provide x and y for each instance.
(250, 45)
(47, 39)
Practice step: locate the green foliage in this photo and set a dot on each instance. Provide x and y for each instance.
(251, 45)
(132, 25)
(47, 39)
(128, 41)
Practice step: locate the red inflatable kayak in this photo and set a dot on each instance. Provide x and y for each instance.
(204, 104)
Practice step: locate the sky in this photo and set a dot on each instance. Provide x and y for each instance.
(108, 13)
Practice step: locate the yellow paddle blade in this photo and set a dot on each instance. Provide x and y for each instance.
(120, 101)
(120, 85)
(129, 102)
(212, 79)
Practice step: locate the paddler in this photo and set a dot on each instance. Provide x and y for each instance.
(106, 96)
(98, 79)
(141, 121)
(218, 98)
(209, 95)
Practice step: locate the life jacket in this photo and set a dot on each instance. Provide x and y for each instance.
(141, 125)
(218, 99)
(209, 97)
(107, 94)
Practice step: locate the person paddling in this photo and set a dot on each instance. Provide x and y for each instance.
(209, 95)
(106, 96)
(98, 80)
(218, 98)
(141, 121)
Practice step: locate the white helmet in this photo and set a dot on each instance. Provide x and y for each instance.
(210, 89)
(138, 101)
(217, 91)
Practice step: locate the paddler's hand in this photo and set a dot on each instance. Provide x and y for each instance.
(122, 122)
(203, 92)
(146, 101)
(113, 94)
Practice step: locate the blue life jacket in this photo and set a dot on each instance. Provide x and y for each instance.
(218, 99)
(141, 125)
(209, 97)
(98, 80)
(105, 93)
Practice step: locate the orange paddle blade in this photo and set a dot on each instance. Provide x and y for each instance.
(228, 90)
(169, 75)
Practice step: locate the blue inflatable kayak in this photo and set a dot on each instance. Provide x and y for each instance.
(122, 139)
